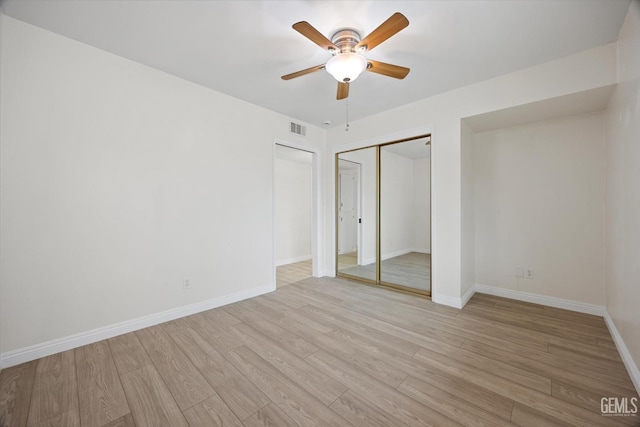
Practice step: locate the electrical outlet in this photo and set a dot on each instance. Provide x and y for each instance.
(186, 284)
(528, 273)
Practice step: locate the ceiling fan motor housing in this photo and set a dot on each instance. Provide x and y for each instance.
(346, 41)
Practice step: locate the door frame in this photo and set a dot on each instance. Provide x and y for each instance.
(316, 204)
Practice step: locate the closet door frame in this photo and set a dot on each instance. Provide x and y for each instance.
(378, 281)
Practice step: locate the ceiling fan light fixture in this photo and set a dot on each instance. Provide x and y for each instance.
(346, 67)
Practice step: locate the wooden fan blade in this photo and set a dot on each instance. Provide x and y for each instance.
(303, 72)
(395, 71)
(304, 28)
(388, 28)
(343, 90)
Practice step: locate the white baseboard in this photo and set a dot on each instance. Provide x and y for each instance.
(467, 296)
(292, 260)
(421, 250)
(581, 307)
(26, 354)
(453, 301)
(629, 363)
(396, 253)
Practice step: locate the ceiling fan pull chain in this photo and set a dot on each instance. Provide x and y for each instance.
(346, 129)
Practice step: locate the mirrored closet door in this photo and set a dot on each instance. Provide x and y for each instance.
(405, 217)
(383, 214)
(356, 213)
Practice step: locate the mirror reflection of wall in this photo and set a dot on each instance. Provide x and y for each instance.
(405, 214)
(356, 213)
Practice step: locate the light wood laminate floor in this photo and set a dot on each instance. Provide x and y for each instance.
(331, 352)
(294, 272)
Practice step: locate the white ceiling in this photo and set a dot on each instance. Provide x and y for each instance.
(243, 47)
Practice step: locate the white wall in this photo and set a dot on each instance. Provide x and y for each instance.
(468, 226)
(421, 198)
(623, 190)
(117, 181)
(539, 193)
(443, 113)
(293, 210)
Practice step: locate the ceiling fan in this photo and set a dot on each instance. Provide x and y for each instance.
(347, 49)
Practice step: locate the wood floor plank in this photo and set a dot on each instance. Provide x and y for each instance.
(559, 327)
(66, 419)
(101, 396)
(374, 363)
(124, 421)
(591, 355)
(151, 403)
(55, 389)
(127, 352)
(235, 389)
(519, 393)
(389, 328)
(291, 315)
(359, 412)
(374, 348)
(555, 367)
(315, 291)
(291, 273)
(498, 368)
(525, 416)
(481, 397)
(16, 385)
(186, 384)
(379, 394)
(213, 332)
(589, 399)
(502, 303)
(219, 317)
(324, 388)
(500, 405)
(285, 298)
(174, 325)
(291, 342)
(339, 323)
(292, 399)
(212, 412)
(450, 405)
(270, 416)
(427, 323)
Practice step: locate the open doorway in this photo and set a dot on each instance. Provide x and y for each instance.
(293, 197)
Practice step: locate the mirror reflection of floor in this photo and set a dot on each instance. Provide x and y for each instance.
(412, 270)
(291, 273)
(347, 260)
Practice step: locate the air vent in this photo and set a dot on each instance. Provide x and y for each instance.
(297, 128)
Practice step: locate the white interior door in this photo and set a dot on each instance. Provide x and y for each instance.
(347, 211)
